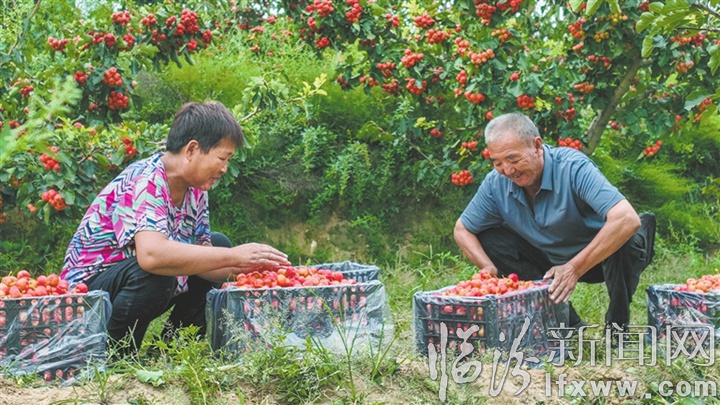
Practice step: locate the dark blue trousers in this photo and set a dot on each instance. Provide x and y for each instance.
(138, 297)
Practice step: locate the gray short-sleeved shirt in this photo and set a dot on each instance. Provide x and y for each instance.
(570, 208)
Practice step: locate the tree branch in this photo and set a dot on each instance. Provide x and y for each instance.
(20, 36)
(710, 29)
(705, 8)
(597, 127)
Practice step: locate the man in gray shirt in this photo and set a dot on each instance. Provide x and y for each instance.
(547, 212)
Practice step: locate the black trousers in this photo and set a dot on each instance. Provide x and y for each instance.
(138, 297)
(621, 271)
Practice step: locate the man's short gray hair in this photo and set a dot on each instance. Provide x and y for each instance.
(516, 124)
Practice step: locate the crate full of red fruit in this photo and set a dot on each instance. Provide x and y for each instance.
(487, 312)
(697, 302)
(49, 329)
(355, 271)
(293, 304)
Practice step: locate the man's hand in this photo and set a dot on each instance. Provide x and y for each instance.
(258, 256)
(490, 269)
(565, 279)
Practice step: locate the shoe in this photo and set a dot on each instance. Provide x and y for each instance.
(616, 330)
(647, 226)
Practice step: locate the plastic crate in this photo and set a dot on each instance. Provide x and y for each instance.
(332, 315)
(54, 336)
(492, 315)
(667, 307)
(362, 273)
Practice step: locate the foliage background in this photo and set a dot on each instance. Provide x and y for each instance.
(332, 173)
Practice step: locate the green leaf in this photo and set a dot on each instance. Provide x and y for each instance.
(656, 7)
(646, 19)
(714, 58)
(647, 46)
(695, 98)
(593, 5)
(575, 5)
(152, 377)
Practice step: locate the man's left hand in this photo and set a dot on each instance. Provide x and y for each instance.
(565, 279)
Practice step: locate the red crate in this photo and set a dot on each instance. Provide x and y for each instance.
(54, 336)
(240, 318)
(491, 315)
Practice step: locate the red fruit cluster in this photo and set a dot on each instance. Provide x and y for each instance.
(109, 39)
(26, 90)
(411, 59)
(54, 199)
(157, 37)
(412, 88)
(13, 124)
(424, 21)
(112, 77)
(570, 143)
(472, 145)
(300, 276)
(436, 133)
(584, 87)
(479, 59)
(576, 29)
(644, 6)
(392, 87)
(58, 44)
(394, 20)
(475, 98)
(436, 36)
(117, 101)
(706, 283)
(462, 178)
(323, 7)
(386, 68)
(513, 5)
(322, 42)
(121, 17)
(192, 45)
(462, 45)
(597, 59)
(129, 40)
(355, 12)
(486, 152)
(683, 67)
(462, 77)
(568, 114)
(148, 20)
(49, 162)
(525, 101)
(503, 34)
(485, 12)
(23, 285)
(514, 77)
(652, 150)
(615, 125)
(129, 147)
(207, 37)
(482, 284)
(368, 81)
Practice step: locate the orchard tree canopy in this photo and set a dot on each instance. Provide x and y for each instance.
(580, 70)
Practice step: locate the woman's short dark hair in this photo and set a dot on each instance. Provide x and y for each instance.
(207, 123)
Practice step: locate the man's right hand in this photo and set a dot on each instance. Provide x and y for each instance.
(490, 269)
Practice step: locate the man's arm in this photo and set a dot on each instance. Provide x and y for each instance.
(472, 249)
(158, 255)
(622, 222)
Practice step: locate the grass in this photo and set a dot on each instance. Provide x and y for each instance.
(186, 370)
